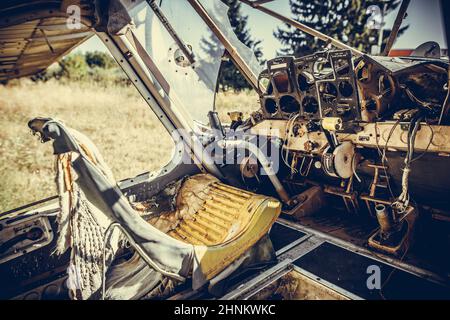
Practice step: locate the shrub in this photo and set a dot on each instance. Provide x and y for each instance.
(97, 67)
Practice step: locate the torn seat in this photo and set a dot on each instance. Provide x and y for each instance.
(206, 242)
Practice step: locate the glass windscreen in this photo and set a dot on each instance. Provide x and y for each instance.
(218, 12)
(424, 22)
(421, 27)
(192, 85)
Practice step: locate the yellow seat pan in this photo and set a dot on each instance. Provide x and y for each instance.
(224, 224)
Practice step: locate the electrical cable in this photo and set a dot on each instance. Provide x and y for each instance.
(384, 159)
(285, 156)
(428, 145)
(403, 199)
(354, 168)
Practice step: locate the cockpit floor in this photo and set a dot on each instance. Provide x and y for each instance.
(427, 252)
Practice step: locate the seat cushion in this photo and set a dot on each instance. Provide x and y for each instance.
(208, 212)
(221, 217)
(221, 221)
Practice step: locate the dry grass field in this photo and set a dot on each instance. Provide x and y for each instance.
(117, 119)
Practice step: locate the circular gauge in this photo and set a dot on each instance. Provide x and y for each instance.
(281, 81)
(328, 92)
(289, 104)
(305, 81)
(342, 67)
(310, 104)
(271, 106)
(345, 89)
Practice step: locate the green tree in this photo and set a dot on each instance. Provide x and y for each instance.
(229, 76)
(346, 21)
(94, 66)
(100, 59)
(74, 66)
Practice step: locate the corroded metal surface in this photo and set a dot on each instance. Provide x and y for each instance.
(34, 34)
(221, 215)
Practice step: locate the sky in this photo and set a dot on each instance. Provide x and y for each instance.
(424, 19)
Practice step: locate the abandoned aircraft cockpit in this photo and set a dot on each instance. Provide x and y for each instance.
(344, 167)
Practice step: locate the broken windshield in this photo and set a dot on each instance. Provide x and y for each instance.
(193, 84)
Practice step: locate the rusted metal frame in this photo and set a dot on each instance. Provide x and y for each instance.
(128, 47)
(131, 62)
(19, 5)
(24, 17)
(47, 41)
(389, 260)
(25, 47)
(54, 27)
(29, 28)
(29, 59)
(373, 187)
(375, 200)
(148, 71)
(292, 244)
(232, 52)
(25, 71)
(27, 206)
(349, 197)
(396, 27)
(374, 184)
(368, 198)
(302, 27)
(28, 16)
(148, 61)
(61, 37)
(327, 284)
(250, 287)
(267, 281)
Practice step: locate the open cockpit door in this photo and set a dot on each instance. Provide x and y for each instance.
(34, 34)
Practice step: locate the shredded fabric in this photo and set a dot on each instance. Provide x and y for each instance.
(81, 224)
(82, 228)
(189, 199)
(92, 206)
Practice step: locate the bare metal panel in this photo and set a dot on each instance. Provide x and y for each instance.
(34, 34)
